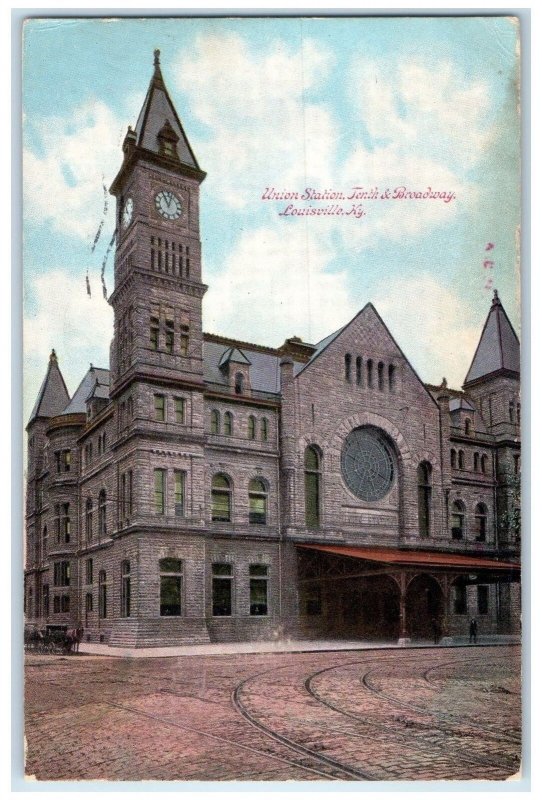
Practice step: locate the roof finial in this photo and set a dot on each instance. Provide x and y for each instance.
(52, 358)
(495, 301)
(157, 58)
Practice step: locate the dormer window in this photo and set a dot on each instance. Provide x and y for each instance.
(239, 383)
(167, 141)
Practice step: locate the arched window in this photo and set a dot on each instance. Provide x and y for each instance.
(125, 589)
(347, 367)
(461, 459)
(391, 377)
(380, 376)
(171, 577)
(239, 383)
(102, 594)
(458, 520)
(476, 462)
(88, 519)
(453, 458)
(257, 501)
(44, 542)
(251, 427)
(480, 522)
(483, 463)
(312, 487)
(370, 373)
(468, 427)
(215, 421)
(102, 525)
(265, 429)
(359, 371)
(424, 498)
(228, 423)
(220, 499)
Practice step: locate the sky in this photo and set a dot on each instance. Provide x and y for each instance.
(283, 104)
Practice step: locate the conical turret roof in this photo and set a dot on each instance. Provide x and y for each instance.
(53, 395)
(159, 117)
(498, 348)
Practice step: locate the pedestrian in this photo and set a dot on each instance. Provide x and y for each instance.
(473, 631)
(435, 625)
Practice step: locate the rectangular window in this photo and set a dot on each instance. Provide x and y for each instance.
(258, 590)
(65, 603)
(184, 343)
(130, 490)
(56, 604)
(125, 590)
(179, 493)
(160, 407)
(460, 599)
(159, 491)
(483, 599)
(154, 333)
(179, 409)
(169, 335)
(88, 602)
(45, 599)
(170, 587)
(58, 460)
(61, 573)
(222, 590)
(89, 575)
(57, 522)
(66, 460)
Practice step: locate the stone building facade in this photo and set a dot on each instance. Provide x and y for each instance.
(207, 489)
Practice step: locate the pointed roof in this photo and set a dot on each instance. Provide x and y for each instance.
(233, 356)
(158, 119)
(498, 348)
(95, 383)
(53, 395)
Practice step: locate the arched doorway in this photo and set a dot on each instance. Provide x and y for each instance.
(424, 605)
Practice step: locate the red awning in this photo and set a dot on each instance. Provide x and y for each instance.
(419, 558)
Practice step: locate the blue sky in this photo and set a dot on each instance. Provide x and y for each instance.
(288, 103)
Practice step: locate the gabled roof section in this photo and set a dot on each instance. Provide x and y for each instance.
(158, 117)
(233, 356)
(498, 348)
(53, 394)
(263, 364)
(96, 379)
(325, 343)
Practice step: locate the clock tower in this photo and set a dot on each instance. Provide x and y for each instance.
(158, 289)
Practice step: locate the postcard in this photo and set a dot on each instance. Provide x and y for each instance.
(272, 399)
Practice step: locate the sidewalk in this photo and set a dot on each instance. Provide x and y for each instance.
(283, 646)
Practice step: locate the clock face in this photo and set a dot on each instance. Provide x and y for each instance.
(367, 463)
(168, 205)
(127, 212)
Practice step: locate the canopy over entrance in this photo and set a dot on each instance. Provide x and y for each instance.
(425, 559)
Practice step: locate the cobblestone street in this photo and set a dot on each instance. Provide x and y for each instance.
(417, 714)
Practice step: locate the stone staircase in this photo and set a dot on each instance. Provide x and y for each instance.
(161, 632)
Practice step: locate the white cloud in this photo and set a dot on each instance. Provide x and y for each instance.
(274, 285)
(441, 330)
(78, 327)
(263, 131)
(77, 154)
(427, 108)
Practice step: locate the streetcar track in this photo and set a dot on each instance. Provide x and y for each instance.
(482, 760)
(221, 739)
(293, 745)
(447, 716)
